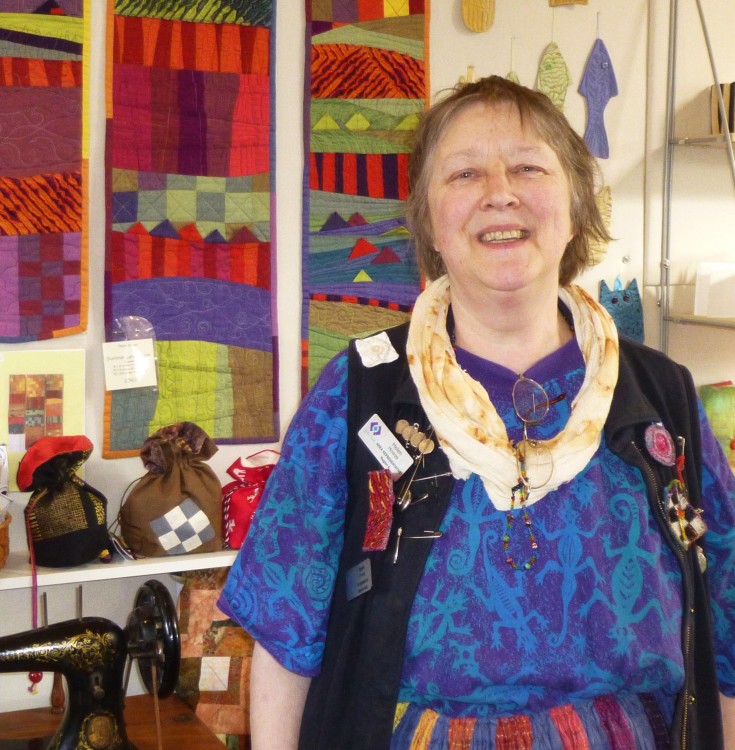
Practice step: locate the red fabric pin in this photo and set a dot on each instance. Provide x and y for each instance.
(380, 516)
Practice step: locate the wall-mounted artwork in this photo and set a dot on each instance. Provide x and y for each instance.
(41, 395)
(43, 169)
(190, 167)
(365, 86)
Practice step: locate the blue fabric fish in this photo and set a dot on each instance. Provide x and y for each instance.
(598, 86)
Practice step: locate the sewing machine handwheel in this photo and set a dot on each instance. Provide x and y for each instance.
(153, 634)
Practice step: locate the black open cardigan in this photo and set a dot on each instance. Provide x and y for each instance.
(351, 704)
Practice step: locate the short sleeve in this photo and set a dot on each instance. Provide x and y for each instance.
(718, 502)
(281, 584)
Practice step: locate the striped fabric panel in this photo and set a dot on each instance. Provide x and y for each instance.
(350, 72)
(27, 71)
(255, 12)
(41, 204)
(373, 175)
(142, 256)
(182, 45)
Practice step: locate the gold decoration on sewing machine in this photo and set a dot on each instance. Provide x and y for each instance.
(100, 732)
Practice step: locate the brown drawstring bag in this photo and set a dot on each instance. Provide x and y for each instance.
(177, 506)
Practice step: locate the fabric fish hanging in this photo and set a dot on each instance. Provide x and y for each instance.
(478, 15)
(553, 75)
(598, 86)
(598, 248)
(513, 76)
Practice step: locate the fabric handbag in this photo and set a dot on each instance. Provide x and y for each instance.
(66, 518)
(240, 498)
(176, 507)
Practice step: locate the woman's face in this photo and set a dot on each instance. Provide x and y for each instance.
(499, 203)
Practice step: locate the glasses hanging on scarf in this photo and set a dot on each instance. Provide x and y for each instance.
(533, 459)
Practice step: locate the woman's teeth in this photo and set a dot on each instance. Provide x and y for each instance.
(512, 234)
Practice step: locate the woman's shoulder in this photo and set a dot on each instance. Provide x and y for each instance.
(637, 352)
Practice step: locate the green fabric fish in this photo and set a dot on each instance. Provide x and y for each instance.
(553, 75)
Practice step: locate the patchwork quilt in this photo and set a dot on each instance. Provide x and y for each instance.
(43, 169)
(190, 209)
(366, 83)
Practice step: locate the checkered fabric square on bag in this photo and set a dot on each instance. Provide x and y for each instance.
(183, 528)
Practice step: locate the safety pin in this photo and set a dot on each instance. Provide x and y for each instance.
(424, 535)
(405, 500)
(433, 476)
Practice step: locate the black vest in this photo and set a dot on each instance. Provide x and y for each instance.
(351, 704)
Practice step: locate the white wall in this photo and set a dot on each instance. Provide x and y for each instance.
(634, 122)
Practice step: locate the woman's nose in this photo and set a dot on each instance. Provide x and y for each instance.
(498, 191)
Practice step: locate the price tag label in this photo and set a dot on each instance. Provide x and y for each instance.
(129, 364)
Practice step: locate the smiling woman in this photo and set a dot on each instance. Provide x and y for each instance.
(539, 559)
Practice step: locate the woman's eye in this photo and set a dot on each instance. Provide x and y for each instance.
(530, 169)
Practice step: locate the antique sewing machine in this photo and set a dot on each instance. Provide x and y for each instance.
(95, 655)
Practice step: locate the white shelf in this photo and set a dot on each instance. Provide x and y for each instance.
(701, 320)
(17, 571)
(710, 141)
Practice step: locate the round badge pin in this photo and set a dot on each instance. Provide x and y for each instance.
(660, 444)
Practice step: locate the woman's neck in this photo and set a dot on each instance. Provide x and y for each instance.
(511, 334)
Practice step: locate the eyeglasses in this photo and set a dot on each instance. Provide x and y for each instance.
(534, 459)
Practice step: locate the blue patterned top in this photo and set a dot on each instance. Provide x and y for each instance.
(599, 612)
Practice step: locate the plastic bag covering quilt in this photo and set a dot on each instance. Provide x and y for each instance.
(366, 84)
(43, 169)
(189, 165)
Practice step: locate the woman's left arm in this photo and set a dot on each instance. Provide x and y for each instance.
(728, 719)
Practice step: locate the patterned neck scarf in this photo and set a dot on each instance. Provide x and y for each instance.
(468, 427)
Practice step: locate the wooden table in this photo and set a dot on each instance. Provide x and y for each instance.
(179, 727)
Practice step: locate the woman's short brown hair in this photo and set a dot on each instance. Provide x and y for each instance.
(550, 124)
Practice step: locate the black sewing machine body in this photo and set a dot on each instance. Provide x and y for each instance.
(92, 654)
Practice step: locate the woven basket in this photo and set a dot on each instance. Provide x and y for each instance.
(4, 540)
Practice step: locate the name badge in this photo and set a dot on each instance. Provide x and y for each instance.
(359, 579)
(385, 446)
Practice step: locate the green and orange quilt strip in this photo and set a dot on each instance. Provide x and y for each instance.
(366, 84)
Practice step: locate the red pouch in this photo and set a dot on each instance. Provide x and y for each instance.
(241, 497)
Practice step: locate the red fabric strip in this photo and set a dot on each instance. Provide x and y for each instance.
(570, 728)
(615, 723)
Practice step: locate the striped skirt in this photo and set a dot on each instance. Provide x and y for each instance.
(623, 722)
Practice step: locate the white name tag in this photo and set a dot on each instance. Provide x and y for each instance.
(385, 446)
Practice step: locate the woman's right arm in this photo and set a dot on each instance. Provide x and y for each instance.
(277, 699)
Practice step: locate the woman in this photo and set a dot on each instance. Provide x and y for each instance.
(484, 528)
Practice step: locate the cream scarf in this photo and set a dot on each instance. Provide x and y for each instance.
(469, 429)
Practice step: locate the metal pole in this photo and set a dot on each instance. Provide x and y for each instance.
(668, 166)
(720, 103)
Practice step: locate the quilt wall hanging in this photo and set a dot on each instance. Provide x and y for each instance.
(43, 168)
(366, 83)
(190, 216)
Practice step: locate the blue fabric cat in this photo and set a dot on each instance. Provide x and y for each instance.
(624, 305)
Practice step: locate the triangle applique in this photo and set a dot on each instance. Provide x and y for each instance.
(357, 122)
(361, 248)
(334, 221)
(326, 123)
(386, 255)
(362, 276)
